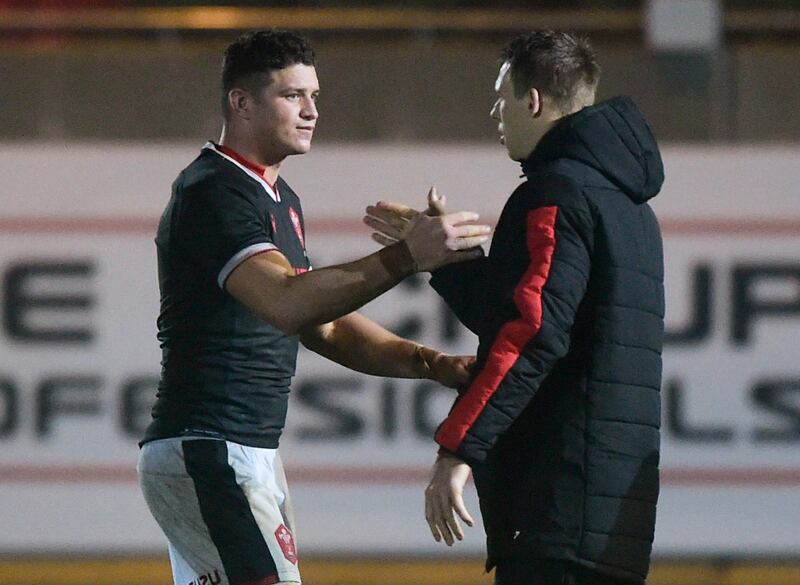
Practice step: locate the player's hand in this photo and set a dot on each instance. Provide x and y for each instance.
(391, 220)
(436, 203)
(444, 499)
(436, 241)
(434, 238)
(452, 371)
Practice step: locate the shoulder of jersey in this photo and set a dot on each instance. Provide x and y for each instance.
(209, 169)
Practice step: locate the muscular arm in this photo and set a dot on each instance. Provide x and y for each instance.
(266, 284)
(362, 345)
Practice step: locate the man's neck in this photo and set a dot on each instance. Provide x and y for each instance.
(247, 150)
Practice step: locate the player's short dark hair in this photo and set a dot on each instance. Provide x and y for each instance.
(561, 65)
(249, 59)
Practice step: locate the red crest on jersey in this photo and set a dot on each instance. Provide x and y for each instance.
(298, 229)
(286, 542)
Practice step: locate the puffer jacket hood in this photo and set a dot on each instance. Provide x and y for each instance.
(611, 137)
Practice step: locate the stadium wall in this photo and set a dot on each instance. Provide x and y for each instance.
(79, 359)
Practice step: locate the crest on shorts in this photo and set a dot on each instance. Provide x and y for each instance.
(298, 229)
(286, 542)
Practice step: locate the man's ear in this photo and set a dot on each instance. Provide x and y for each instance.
(239, 103)
(535, 104)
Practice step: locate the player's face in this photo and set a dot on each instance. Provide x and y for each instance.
(516, 124)
(285, 113)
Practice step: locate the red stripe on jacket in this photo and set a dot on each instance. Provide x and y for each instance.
(513, 336)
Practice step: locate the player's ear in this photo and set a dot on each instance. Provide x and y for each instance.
(535, 104)
(239, 103)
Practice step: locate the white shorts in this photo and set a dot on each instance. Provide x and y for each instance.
(224, 508)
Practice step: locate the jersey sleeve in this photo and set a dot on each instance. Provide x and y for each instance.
(221, 227)
(536, 335)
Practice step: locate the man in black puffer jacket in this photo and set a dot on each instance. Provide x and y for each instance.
(560, 423)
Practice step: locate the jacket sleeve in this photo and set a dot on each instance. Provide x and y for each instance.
(526, 347)
(463, 287)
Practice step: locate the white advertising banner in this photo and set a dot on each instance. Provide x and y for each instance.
(79, 360)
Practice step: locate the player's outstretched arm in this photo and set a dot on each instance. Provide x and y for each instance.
(360, 344)
(266, 283)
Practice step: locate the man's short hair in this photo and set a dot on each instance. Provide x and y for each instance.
(560, 65)
(249, 59)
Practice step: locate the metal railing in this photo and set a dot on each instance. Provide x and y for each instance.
(449, 19)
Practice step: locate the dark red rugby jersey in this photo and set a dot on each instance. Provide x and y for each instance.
(225, 372)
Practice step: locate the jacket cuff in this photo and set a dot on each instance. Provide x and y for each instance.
(471, 461)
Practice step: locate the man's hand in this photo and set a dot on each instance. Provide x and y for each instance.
(452, 371)
(444, 499)
(392, 221)
(436, 241)
(436, 203)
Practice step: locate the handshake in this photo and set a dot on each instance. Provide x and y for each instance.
(432, 237)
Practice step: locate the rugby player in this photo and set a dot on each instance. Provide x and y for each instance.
(237, 295)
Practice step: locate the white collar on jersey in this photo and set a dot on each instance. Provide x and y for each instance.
(275, 196)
